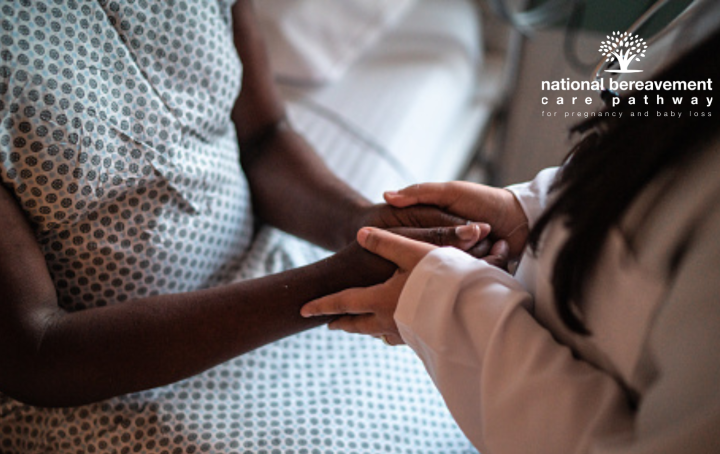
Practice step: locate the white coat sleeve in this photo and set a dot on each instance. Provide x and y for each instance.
(510, 386)
(533, 195)
(513, 389)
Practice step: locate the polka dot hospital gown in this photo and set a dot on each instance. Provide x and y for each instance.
(116, 141)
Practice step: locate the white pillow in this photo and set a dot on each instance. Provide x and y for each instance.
(315, 41)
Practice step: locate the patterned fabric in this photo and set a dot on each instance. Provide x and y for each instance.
(118, 144)
(116, 139)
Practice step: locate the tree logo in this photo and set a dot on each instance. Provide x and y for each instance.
(623, 48)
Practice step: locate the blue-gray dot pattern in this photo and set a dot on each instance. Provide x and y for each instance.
(116, 141)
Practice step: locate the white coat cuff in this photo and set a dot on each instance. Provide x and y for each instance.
(533, 195)
(436, 282)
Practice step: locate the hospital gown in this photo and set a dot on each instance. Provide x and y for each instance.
(116, 141)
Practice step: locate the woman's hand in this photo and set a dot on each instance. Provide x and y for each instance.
(387, 216)
(427, 223)
(475, 202)
(371, 310)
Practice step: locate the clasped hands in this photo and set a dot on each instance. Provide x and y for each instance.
(496, 232)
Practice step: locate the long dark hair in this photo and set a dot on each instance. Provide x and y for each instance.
(612, 163)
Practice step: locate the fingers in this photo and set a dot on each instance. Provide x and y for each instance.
(394, 339)
(472, 201)
(350, 301)
(463, 237)
(407, 246)
(363, 310)
(481, 249)
(440, 194)
(369, 325)
(402, 251)
(427, 216)
(358, 324)
(499, 255)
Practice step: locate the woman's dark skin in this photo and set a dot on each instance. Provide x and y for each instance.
(51, 357)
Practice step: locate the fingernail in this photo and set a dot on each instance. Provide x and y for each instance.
(362, 236)
(391, 194)
(467, 232)
(485, 228)
(503, 247)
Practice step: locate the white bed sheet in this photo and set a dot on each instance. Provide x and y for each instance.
(420, 95)
(315, 41)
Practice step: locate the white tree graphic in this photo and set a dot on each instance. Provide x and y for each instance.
(623, 47)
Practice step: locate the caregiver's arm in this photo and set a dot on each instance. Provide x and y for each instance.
(291, 186)
(514, 389)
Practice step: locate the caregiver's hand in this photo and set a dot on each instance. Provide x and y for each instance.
(372, 268)
(387, 217)
(476, 202)
(370, 310)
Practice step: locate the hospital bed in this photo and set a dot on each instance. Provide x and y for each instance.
(410, 107)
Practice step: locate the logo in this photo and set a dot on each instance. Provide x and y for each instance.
(623, 48)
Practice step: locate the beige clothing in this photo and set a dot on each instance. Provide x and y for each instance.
(646, 381)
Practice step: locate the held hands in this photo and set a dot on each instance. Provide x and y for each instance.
(427, 216)
(431, 224)
(387, 216)
(433, 206)
(370, 310)
(475, 202)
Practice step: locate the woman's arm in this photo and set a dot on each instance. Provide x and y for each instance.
(51, 357)
(292, 187)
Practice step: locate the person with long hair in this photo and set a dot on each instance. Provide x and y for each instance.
(606, 340)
